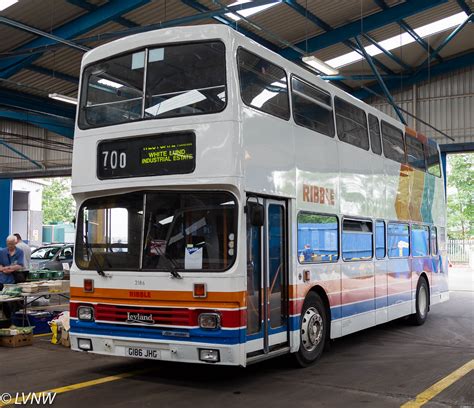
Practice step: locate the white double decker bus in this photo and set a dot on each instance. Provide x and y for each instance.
(232, 206)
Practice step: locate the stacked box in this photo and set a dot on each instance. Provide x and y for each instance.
(18, 340)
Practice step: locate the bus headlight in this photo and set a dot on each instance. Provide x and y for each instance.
(209, 321)
(85, 313)
(209, 356)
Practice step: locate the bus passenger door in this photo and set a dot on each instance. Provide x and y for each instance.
(267, 280)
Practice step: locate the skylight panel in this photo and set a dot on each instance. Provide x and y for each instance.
(4, 4)
(400, 40)
(248, 12)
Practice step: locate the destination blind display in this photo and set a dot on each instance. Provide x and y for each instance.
(155, 155)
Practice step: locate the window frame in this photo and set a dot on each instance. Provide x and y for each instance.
(432, 252)
(384, 239)
(408, 138)
(383, 122)
(146, 49)
(338, 238)
(239, 49)
(409, 240)
(366, 123)
(319, 103)
(427, 155)
(379, 135)
(367, 220)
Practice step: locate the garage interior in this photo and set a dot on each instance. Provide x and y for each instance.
(411, 59)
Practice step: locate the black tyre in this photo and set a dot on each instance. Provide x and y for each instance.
(314, 330)
(422, 303)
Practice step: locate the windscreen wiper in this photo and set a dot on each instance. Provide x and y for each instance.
(90, 252)
(172, 265)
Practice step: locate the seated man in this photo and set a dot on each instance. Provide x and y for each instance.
(11, 260)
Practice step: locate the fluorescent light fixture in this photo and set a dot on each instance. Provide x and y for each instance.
(166, 220)
(112, 84)
(321, 66)
(63, 98)
(4, 4)
(266, 95)
(248, 12)
(400, 40)
(185, 99)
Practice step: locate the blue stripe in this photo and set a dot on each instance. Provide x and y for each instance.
(195, 335)
(339, 312)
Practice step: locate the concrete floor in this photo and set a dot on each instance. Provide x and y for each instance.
(384, 366)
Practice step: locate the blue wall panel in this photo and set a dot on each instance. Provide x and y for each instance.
(6, 209)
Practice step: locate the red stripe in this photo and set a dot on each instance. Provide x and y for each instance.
(165, 316)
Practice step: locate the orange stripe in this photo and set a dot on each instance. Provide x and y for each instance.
(160, 298)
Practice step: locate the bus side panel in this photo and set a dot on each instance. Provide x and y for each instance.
(355, 180)
(269, 153)
(376, 198)
(358, 303)
(399, 288)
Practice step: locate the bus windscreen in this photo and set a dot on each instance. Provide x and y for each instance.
(158, 231)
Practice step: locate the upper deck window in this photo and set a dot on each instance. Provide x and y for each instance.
(415, 153)
(263, 85)
(169, 81)
(432, 160)
(393, 144)
(312, 107)
(351, 123)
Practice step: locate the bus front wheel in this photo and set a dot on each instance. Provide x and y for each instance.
(313, 330)
(422, 303)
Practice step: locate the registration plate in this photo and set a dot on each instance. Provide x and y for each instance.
(141, 352)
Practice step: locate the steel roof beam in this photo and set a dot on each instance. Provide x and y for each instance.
(464, 7)
(61, 126)
(40, 33)
(381, 82)
(72, 29)
(388, 53)
(53, 73)
(446, 41)
(22, 155)
(231, 23)
(33, 103)
(372, 22)
(426, 73)
(409, 30)
(326, 27)
(92, 7)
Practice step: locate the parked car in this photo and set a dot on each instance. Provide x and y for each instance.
(52, 257)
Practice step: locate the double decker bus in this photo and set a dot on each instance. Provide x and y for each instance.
(232, 206)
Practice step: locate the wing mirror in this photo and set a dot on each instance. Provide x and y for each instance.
(256, 214)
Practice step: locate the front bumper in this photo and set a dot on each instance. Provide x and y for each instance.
(185, 352)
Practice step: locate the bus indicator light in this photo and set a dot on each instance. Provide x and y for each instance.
(88, 285)
(199, 290)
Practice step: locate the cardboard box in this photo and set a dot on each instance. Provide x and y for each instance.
(18, 340)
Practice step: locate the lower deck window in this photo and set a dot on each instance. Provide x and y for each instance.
(357, 240)
(317, 238)
(398, 238)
